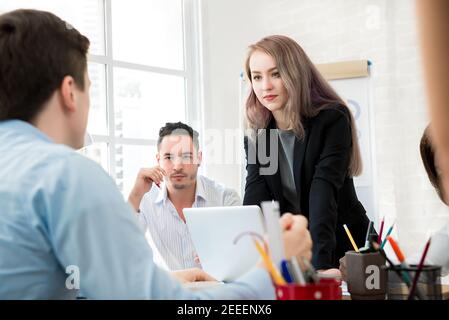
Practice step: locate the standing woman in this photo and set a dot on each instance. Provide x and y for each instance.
(311, 145)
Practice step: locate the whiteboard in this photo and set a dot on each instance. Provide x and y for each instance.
(357, 94)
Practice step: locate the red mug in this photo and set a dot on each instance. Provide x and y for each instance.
(324, 289)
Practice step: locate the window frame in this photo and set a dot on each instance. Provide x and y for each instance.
(191, 74)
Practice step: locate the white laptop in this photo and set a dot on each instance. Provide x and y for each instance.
(213, 231)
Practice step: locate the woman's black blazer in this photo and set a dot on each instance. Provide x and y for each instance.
(326, 192)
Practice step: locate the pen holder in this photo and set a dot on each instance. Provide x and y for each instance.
(366, 275)
(429, 282)
(324, 289)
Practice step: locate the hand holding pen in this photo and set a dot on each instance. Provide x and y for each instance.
(296, 237)
(144, 182)
(297, 244)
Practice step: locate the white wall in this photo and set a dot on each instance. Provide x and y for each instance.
(226, 34)
(382, 31)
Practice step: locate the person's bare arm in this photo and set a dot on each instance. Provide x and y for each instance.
(433, 24)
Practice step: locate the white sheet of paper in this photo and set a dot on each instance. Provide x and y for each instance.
(271, 213)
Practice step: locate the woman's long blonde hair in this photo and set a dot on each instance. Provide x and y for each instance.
(308, 92)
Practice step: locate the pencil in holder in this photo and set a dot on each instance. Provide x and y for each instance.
(428, 282)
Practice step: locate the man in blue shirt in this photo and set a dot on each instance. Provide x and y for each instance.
(64, 226)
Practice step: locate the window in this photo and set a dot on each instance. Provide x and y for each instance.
(143, 70)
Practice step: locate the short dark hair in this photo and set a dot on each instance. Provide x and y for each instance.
(428, 158)
(37, 50)
(178, 128)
